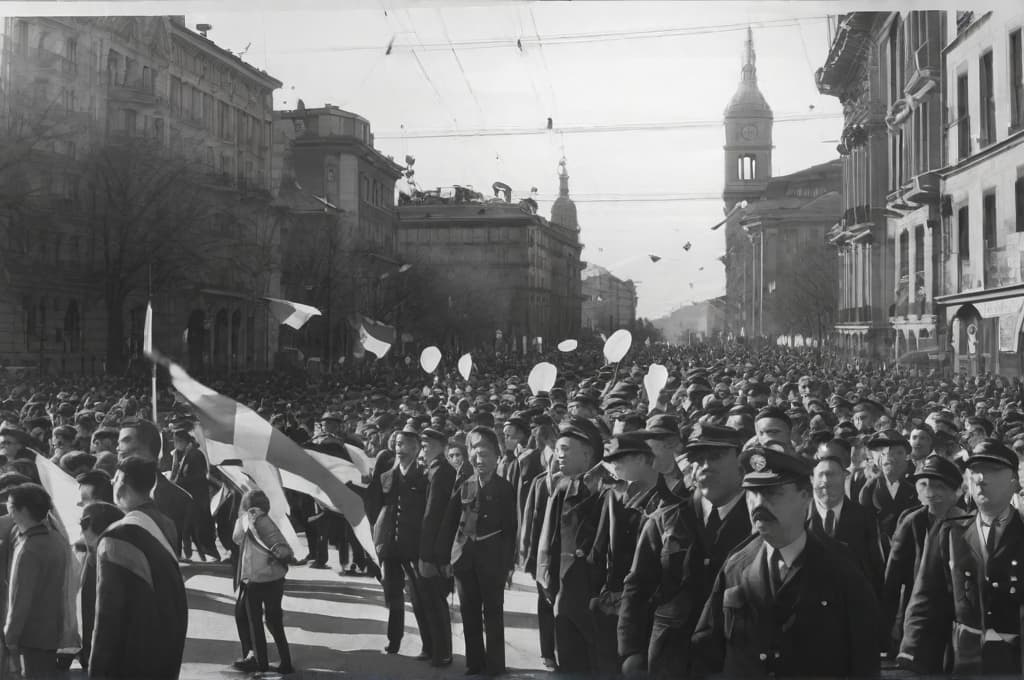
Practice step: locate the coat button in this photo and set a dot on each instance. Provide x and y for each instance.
(762, 656)
(1013, 590)
(967, 573)
(995, 585)
(824, 603)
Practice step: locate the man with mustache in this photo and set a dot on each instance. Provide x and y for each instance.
(890, 493)
(787, 603)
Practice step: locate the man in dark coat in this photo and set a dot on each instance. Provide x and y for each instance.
(480, 526)
(787, 602)
(141, 607)
(833, 515)
(663, 436)
(142, 438)
(402, 503)
(96, 518)
(570, 526)
(890, 493)
(680, 551)
(189, 471)
(970, 579)
(938, 482)
(529, 540)
(433, 553)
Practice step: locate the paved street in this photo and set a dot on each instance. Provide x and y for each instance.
(337, 625)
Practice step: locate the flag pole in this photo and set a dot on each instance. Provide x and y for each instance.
(147, 343)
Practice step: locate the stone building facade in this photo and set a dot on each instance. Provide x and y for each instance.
(609, 303)
(95, 82)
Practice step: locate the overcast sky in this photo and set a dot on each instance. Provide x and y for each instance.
(455, 67)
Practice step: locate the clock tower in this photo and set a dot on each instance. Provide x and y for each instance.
(748, 136)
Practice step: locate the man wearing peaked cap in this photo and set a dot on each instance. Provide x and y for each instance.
(773, 424)
(938, 485)
(970, 581)
(584, 404)
(865, 413)
(764, 580)
(623, 513)
(663, 436)
(570, 524)
(891, 493)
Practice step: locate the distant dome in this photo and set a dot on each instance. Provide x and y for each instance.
(563, 210)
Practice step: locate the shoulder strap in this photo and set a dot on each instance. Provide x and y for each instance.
(143, 521)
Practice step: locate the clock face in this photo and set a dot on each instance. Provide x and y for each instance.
(748, 132)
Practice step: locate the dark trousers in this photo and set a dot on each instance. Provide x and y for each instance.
(434, 591)
(200, 530)
(38, 663)
(545, 625)
(399, 576)
(606, 629)
(225, 522)
(482, 604)
(669, 650)
(254, 601)
(574, 646)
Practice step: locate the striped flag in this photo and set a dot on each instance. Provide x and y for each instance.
(376, 337)
(291, 314)
(233, 431)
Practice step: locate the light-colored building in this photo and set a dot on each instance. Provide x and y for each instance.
(104, 82)
(500, 275)
(339, 249)
(695, 322)
(609, 303)
(854, 72)
(982, 269)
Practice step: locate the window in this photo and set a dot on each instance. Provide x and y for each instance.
(1016, 80)
(746, 167)
(988, 219)
(176, 96)
(129, 121)
(22, 30)
(904, 255)
(70, 63)
(1018, 199)
(963, 119)
(963, 223)
(988, 102)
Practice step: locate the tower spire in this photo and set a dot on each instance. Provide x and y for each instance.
(749, 71)
(563, 179)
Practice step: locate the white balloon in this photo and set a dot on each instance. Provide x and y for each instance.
(567, 345)
(617, 345)
(430, 358)
(654, 383)
(465, 366)
(542, 377)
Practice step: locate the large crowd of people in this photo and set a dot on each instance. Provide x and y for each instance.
(768, 511)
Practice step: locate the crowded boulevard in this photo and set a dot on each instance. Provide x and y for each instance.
(643, 510)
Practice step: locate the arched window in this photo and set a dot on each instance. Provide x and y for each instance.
(746, 167)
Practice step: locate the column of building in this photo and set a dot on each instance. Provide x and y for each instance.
(911, 271)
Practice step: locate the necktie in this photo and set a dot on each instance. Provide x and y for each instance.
(990, 541)
(830, 522)
(714, 521)
(775, 571)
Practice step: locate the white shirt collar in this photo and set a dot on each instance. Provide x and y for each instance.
(403, 469)
(823, 509)
(789, 552)
(723, 510)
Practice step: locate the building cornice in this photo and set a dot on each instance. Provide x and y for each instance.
(980, 157)
(223, 56)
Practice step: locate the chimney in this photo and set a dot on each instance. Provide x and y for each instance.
(204, 29)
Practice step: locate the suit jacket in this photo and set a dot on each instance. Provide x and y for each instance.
(440, 483)
(191, 475)
(141, 609)
(35, 613)
(530, 465)
(858, 531)
(905, 555)
(570, 527)
(403, 504)
(374, 500)
(875, 496)
(823, 622)
(495, 555)
(533, 520)
(618, 530)
(956, 586)
(8, 534)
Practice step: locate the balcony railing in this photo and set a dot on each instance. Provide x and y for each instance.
(135, 90)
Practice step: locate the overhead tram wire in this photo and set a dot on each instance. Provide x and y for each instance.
(544, 61)
(588, 129)
(575, 38)
(458, 62)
